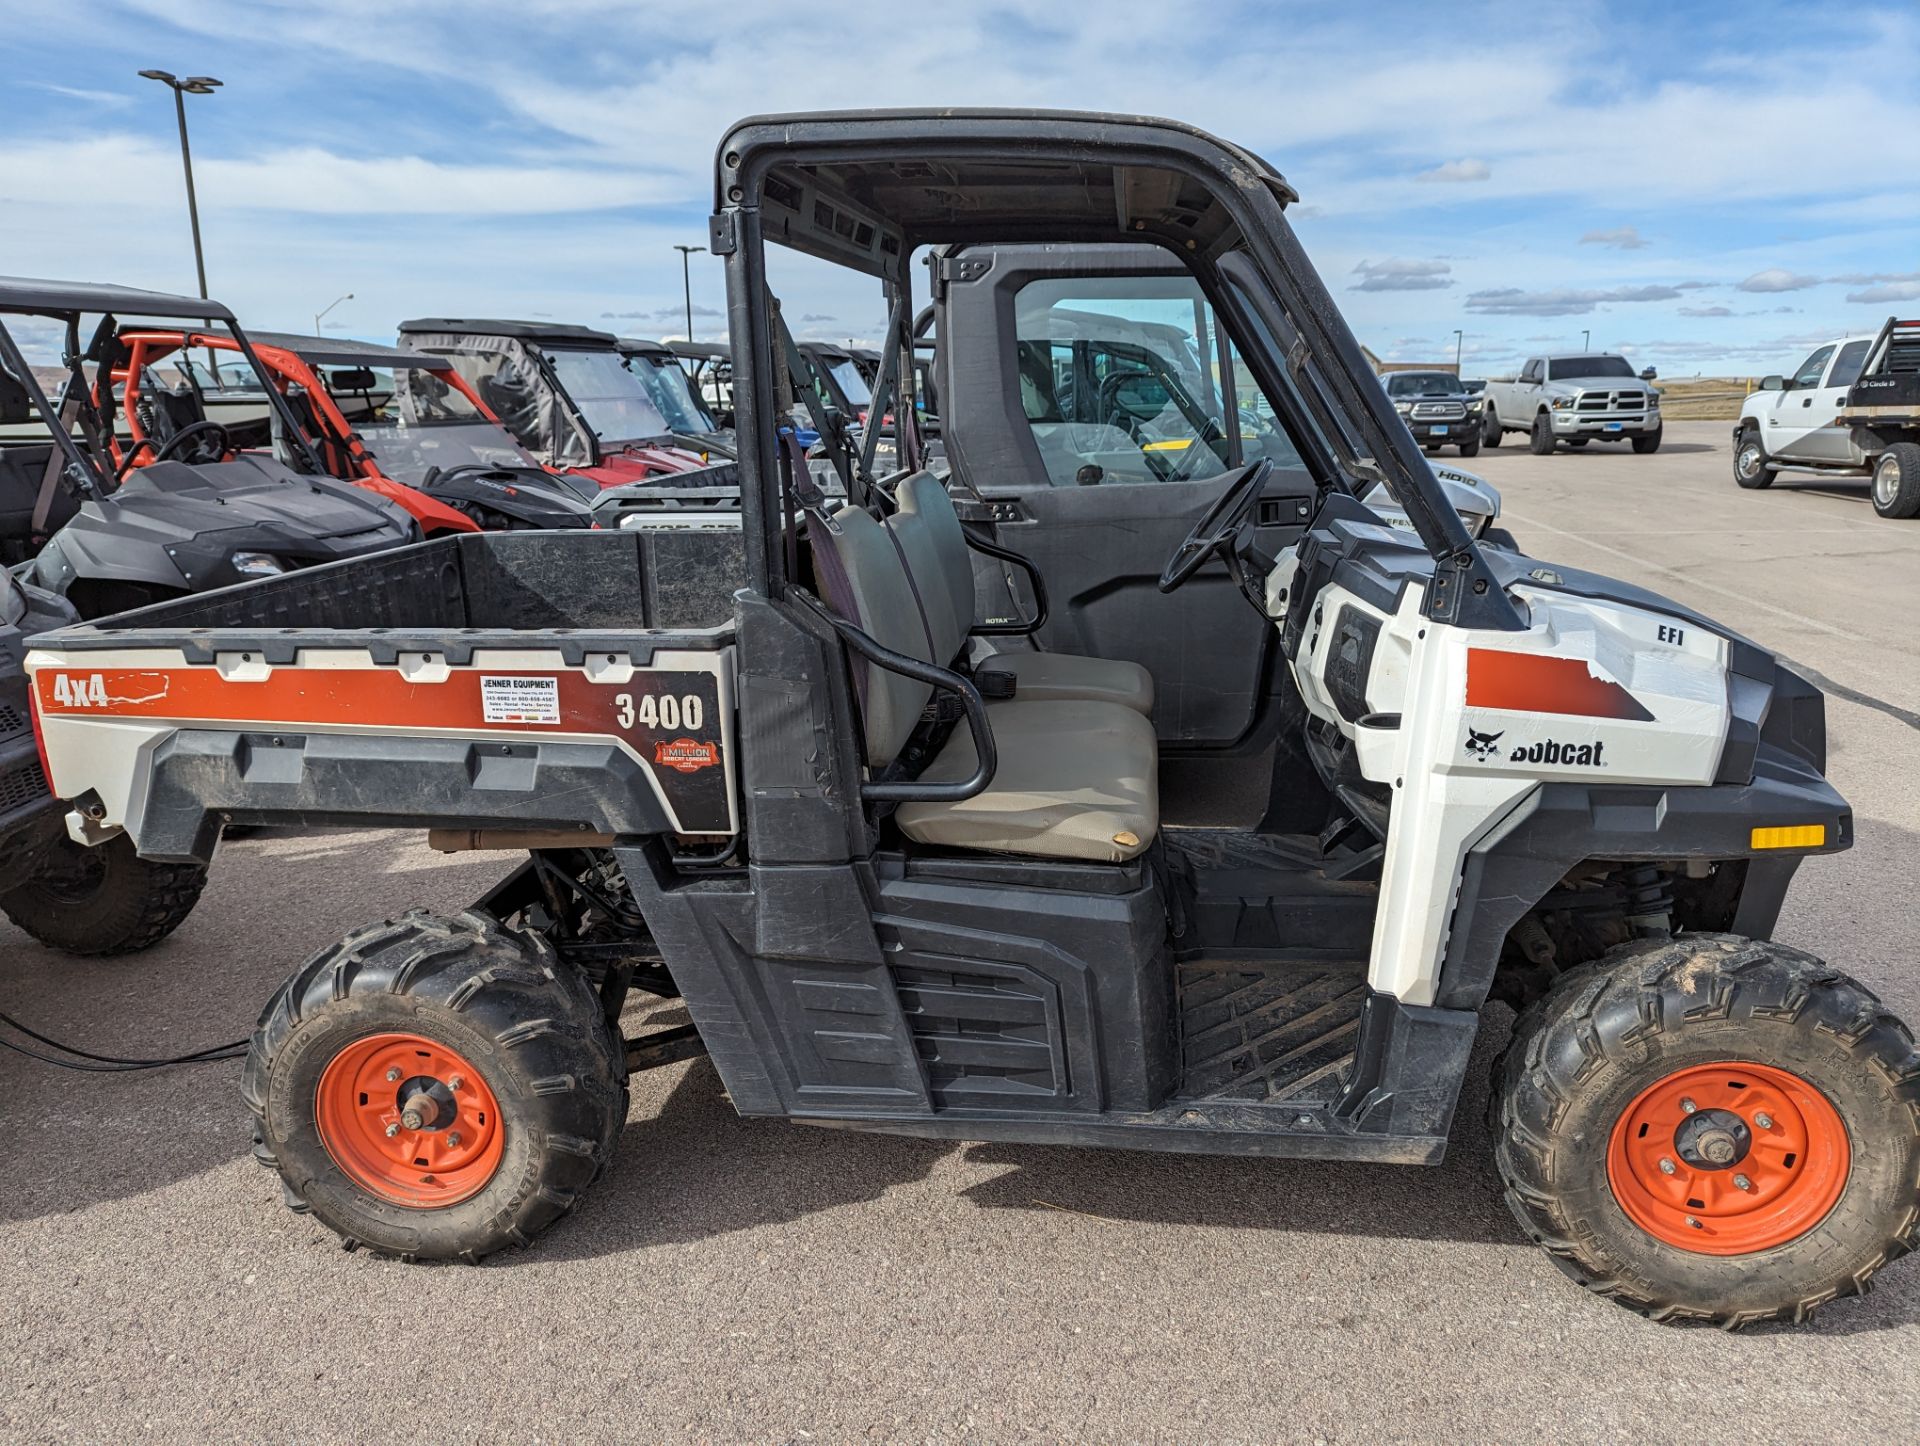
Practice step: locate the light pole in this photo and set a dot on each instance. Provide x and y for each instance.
(192, 85)
(686, 279)
(1584, 342)
(1458, 339)
(324, 310)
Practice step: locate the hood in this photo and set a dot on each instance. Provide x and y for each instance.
(181, 501)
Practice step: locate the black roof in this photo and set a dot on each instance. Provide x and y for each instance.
(702, 350)
(21, 293)
(334, 351)
(535, 331)
(634, 344)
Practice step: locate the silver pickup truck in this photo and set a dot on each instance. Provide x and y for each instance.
(1577, 398)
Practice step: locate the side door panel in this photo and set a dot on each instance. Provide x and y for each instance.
(1787, 427)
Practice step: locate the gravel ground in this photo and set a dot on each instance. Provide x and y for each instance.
(754, 1280)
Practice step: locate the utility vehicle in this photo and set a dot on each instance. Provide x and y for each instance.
(673, 394)
(83, 900)
(709, 366)
(200, 513)
(901, 892)
(567, 396)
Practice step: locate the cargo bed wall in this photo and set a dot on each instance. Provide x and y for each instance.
(494, 581)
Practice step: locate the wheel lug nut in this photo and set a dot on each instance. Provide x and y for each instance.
(456, 1082)
(1764, 1121)
(1666, 1167)
(454, 1139)
(1687, 1107)
(1741, 1182)
(392, 1075)
(393, 1129)
(1695, 1223)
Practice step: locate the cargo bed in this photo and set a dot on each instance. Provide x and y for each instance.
(572, 681)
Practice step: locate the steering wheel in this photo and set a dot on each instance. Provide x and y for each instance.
(1214, 533)
(172, 444)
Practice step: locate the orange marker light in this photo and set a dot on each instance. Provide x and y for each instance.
(1792, 836)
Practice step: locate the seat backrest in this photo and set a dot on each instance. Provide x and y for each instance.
(936, 546)
(864, 580)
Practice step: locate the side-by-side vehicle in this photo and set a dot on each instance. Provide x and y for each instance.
(111, 526)
(903, 889)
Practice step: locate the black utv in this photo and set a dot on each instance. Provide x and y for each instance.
(111, 524)
(902, 888)
(105, 900)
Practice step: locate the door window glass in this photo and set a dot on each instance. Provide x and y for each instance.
(1810, 369)
(1125, 379)
(1846, 366)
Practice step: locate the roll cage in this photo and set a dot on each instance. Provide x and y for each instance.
(869, 189)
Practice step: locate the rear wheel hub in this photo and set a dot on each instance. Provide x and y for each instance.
(409, 1120)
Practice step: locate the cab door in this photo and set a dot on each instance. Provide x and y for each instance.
(1788, 425)
(1091, 420)
(1826, 441)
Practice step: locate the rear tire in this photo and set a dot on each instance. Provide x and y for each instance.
(517, 1080)
(1896, 481)
(104, 900)
(1540, 439)
(1646, 443)
(1808, 1091)
(1753, 469)
(1491, 434)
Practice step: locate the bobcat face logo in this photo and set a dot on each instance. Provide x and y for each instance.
(1480, 745)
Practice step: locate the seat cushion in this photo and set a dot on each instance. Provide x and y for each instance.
(1068, 677)
(1075, 780)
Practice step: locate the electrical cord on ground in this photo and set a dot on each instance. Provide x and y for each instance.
(109, 1063)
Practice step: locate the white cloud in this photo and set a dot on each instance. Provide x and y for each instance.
(1776, 278)
(1891, 291)
(1457, 172)
(1624, 238)
(1706, 311)
(1512, 301)
(1395, 274)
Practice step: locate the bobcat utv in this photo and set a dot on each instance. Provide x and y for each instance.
(901, 892)
(179, 511)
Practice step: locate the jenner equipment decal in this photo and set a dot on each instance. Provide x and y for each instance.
(1542, 683)
(670, 718)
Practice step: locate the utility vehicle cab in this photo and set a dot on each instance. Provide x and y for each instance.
(566, 394)
(906, 883)
(709, 366)
(674, 395)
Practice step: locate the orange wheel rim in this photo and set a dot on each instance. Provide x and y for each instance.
(409, 1120)
(1728, 1159)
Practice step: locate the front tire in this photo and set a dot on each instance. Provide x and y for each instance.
(436, 1088)
(1540, 439)
(1646, 443)
(1896, 481)
(1470, 448)
(1491, 433)
(1712, 1129)
(1753, 469)
(103, 900)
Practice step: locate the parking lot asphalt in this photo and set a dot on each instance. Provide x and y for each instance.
(755, 1280)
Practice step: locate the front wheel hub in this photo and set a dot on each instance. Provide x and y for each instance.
(1728, 1159)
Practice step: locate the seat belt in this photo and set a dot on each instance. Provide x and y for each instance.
(56, 464)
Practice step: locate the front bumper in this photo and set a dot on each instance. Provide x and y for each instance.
(1444, 430)
(1572, 423)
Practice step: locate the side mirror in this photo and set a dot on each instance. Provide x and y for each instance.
(1773, 384)
(1649, 375)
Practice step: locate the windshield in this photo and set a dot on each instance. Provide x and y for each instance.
(852, 381)
(611, 399)
(1565, 368)
(670, 391)
(413, 420)
(1424, 384)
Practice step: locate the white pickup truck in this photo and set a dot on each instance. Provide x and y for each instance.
(1577, 398)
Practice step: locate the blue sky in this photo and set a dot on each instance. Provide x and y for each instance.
(1705, 187)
